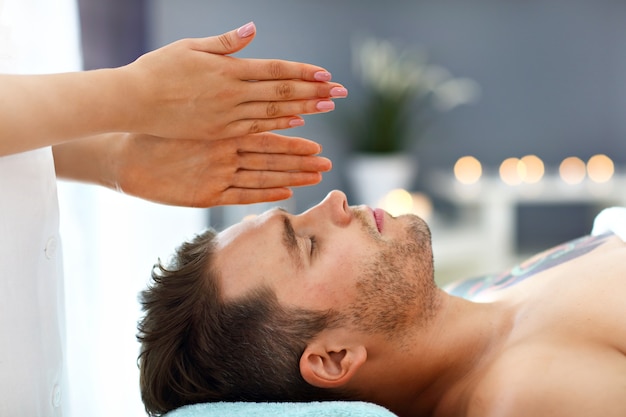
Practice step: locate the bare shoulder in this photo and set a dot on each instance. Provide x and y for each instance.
(542, 382)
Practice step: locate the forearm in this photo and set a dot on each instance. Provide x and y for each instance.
(89, 160)
(44, 110)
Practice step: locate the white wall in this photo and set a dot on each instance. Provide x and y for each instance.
(110, 242)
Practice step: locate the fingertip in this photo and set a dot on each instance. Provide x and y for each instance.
(309, 147)
(296, 122)
(228, 42)
(339, 92)
(319, 178)
(246, 30)
(316, 148)
(322, 75)
(282, 194)
(325, 106)
(314, 178)
(328, 164)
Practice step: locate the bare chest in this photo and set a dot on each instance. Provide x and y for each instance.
(569, 334)
(579, 301)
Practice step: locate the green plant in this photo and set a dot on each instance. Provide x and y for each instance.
(403, 95)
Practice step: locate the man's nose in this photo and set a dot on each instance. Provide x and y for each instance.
(336, 205)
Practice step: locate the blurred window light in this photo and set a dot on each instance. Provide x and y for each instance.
(600, 168)
(468, 170)
(397, 202)
(533, 169)
(512, 170)
(422, 205)
(572, 170)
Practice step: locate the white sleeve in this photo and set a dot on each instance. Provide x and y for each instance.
(612, 219)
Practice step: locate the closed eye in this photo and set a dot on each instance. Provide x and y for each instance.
(313, 244)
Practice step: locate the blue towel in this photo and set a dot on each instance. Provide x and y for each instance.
(287, 409)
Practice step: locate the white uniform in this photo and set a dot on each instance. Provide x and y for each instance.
(36, 36)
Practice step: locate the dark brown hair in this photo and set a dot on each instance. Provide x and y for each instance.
(196, 348)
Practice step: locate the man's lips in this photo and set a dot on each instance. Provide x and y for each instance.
(379, 217)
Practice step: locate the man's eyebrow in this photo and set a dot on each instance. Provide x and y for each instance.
(290, 242)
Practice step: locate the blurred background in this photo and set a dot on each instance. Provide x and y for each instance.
(514, 135)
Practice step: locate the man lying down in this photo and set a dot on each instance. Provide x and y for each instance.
(339, 302)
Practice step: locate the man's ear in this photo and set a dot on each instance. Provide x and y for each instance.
(327, 365)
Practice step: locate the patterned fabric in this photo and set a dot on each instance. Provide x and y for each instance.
(472, 288)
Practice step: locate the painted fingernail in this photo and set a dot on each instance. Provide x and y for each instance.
(322, 76)
(296, 122)
(325, 105)
(338, 92)
(246, 30)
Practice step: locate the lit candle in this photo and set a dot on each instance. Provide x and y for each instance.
(600, 168)
(468, 170)
(533, 169)
(511, 171)
(572, 170)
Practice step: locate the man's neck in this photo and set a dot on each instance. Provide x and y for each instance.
(431, 369)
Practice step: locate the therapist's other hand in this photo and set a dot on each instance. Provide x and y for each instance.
(193, 89)
(185, 172)
(247, 169)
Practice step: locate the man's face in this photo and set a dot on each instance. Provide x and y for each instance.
(355, 260)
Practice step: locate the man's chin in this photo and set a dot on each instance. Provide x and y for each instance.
(417, 229)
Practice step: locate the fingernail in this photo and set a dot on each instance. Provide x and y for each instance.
(296, 122)
(338, 92)
(322, 76)
(246, 30)
(325, 105)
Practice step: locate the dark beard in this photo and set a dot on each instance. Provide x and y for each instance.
(396, 289)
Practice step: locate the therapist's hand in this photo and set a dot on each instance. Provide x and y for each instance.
(248, 169)
(190, 89)
(193, 89)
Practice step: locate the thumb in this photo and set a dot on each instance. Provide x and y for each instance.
(229, 42)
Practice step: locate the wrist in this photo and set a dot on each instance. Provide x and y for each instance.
(117, 100)
(92, 160)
